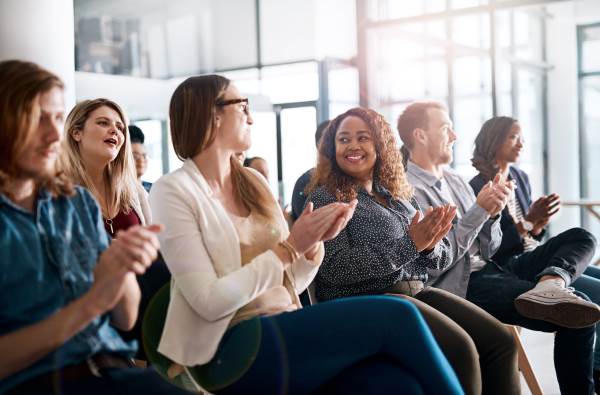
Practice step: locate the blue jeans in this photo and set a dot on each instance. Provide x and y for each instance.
(495, 287)
(589, 284)
(330, 348)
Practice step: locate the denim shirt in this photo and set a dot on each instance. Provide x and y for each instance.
(46, 262)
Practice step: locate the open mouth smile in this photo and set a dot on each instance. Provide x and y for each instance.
(354, 158)
(111, 141)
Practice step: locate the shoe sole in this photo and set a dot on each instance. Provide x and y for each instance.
(565, 314)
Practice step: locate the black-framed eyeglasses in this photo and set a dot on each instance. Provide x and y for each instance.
(244, 102)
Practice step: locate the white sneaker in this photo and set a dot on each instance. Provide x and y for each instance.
(558, 305)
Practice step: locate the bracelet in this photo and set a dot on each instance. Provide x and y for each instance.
(294, 254)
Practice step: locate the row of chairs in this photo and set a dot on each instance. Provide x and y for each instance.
(156, 313)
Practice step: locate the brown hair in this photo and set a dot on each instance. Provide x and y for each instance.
(492, 135)
(388, 170)
(414, 117)
(119, 175)
(192, 115)
(21, 84)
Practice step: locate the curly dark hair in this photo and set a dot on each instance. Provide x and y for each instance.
(492, 135)
(388, 171)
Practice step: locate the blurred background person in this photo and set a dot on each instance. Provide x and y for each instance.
(298, 195)
(259, 164)
(139, 154)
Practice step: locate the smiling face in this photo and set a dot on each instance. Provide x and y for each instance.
(355, 151)
(510, 150)
(102, 136)
(39, 157)
(440, 136)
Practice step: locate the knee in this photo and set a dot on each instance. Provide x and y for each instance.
(396, 308)
(506, 342)
(461, 347)
(582, 236)
(378, 309)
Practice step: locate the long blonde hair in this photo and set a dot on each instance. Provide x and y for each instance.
(192, 114)
(119, 175)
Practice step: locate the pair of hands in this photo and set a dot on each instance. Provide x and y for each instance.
(435, 224)
(542, 210)
(494, 195)
(322, 224)
(130, 253)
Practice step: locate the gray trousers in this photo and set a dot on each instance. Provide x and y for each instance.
(480, 348)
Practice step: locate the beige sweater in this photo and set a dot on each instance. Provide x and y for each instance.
(256, 237)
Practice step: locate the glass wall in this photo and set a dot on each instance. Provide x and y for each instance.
(589, 118)
(478, 59)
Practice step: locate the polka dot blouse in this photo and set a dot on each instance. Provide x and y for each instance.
(374, 251)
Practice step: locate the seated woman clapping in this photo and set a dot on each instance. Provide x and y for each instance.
(96, 153)
(388, 246)
(234, 320)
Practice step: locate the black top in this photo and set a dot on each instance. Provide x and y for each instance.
(298, 196)
(512, 243)
(374, 251)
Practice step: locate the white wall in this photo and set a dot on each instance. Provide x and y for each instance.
(139, 97)
(40, 31)
(563, 152)
(563, 103)
(233, 37)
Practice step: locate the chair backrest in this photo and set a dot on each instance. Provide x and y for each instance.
(312, 293)
(153, 324)
(524, 364)
(152, 328)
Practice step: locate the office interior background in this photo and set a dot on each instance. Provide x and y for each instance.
(304, 61)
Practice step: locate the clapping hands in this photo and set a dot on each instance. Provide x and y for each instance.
(542, 210)
(434, 225)
(494, 195)
(322, 224)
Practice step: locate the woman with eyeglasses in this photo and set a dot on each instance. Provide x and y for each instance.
(235, 324)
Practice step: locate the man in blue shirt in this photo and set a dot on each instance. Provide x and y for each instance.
(63, 287)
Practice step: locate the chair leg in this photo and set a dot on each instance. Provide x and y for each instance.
(524, 365)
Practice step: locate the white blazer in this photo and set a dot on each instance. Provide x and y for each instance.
(202, 250)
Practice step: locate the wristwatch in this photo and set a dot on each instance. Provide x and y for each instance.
(528, 226)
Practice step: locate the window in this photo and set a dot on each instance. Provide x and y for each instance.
(589, 117)
(448, 58)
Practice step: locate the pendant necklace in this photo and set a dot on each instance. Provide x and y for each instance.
(109, 222)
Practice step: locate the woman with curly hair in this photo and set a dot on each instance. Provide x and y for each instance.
(388, 245)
